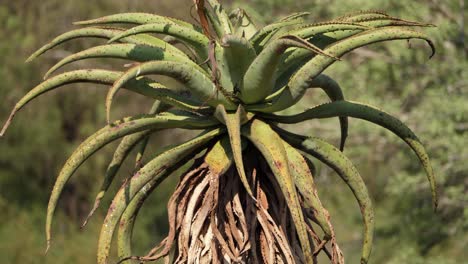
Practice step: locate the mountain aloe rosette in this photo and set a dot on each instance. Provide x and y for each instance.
(249, 194)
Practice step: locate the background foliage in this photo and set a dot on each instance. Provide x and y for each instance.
(430, 95)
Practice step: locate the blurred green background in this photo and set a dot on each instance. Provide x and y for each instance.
(431, 96)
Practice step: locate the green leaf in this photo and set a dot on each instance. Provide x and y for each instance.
(233, 122)
(304, 181)
(239, 54)
(374, 115)
(92, 32)
(222, 16)
(134, 52)
(192, 37)
(295, 16)
(134, 18)
(259, 80)
(110, 133)
(120, 154)
(262, 36)
(128, 218)
(335, 159)
(311, 30)
(330, 35)
(220, 157)
(153, 173)
(195, 80)
(143, 86)
(271, 147)
(242, 23)
(303, 78)
(333, 91)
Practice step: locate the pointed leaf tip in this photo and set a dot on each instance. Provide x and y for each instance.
(91, 213)
(7, 122)
(47, 247)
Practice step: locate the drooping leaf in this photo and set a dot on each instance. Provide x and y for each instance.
(143, 86)
(110, 133)
(192, 37)
(94, 32)
(195, 80)
(376, 116)
(153, 173)
(331, 156)
(134, 52)
(303, 78)
(233, 122)
(304, 182)
(272, 149)
(134, 18)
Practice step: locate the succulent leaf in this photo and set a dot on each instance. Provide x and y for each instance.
(235, 79)
(153, 173)
(260, 77)
(195, 80)
(264, 34)
(298, 166)
(134, 18)
(133, 52)
(222, 16)
(331, 156)
(109, 134)
(94, 32)
(120, 154)
(243, 23)
(376, 116)
(238, 65)
(192, 37)
(272, 148)
(233, 122)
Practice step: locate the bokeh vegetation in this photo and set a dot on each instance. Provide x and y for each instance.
(431, 95)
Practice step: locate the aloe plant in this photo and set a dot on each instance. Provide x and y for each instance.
(250, 194)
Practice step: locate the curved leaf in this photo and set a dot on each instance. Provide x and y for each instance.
(93, 32)
(194, 80)
(120, 154)
(333, 91)
(304, 182)
(238, 65)
(272, 149)
(298, 57)
(233, 122)
(331, 156)
(220, 157)
(263, 35)
(142, 86)
(134, 52)
(122, 151)
(222, 16)
(134, 18)
(303, 78)
(110, 133)
(127, 221)
(311, 30)
(376, 116)
(260, 77)
(295, 16)
(153, 173)
(242, 23)
(192, 37)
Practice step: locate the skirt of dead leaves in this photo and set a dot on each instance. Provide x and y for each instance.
(212, 219)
